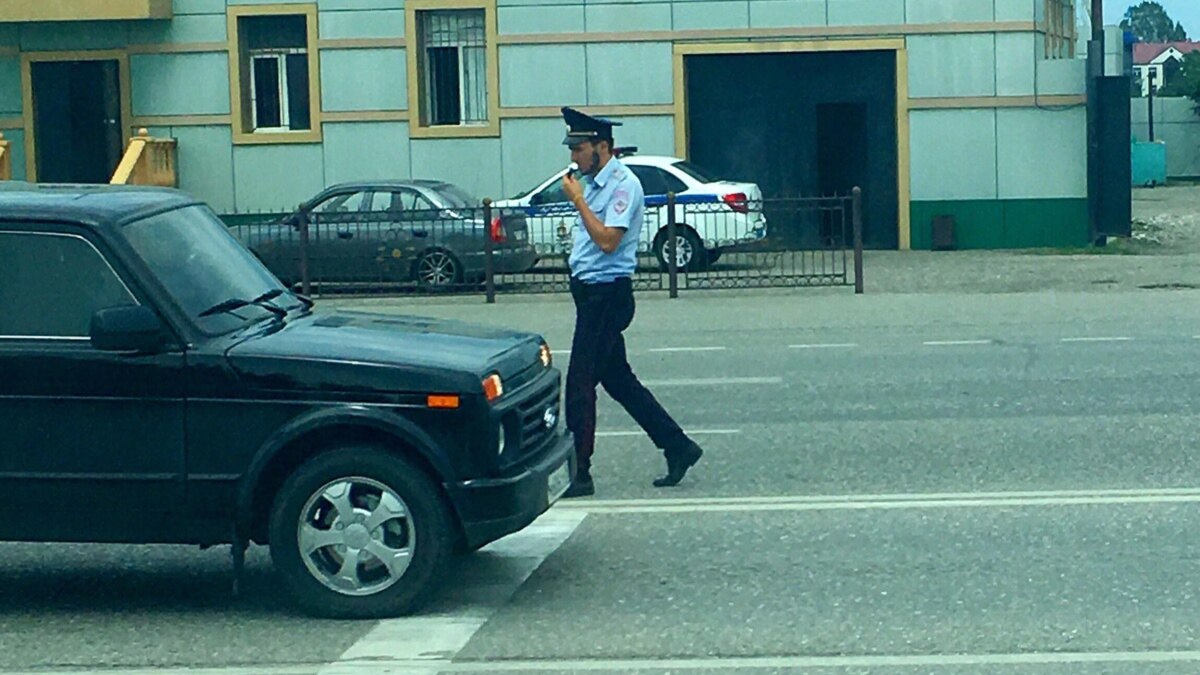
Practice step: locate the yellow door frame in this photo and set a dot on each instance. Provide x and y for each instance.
(683, 50)
(29, 58)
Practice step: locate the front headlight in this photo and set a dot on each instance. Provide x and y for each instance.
(547, 357)
(503, 440)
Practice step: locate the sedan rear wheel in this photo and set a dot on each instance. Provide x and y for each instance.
(438, 269)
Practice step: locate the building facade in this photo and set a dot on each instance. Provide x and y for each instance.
(969, 108)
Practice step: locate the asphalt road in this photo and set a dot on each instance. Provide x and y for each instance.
(936, 484)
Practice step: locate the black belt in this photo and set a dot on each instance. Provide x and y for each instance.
(586, 288)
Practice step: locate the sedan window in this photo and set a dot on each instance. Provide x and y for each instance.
(345, 203)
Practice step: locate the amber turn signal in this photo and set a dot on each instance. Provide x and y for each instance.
(493, 388)
(442, 402)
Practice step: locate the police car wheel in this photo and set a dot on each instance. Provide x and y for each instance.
(359, 533)
(692, 256)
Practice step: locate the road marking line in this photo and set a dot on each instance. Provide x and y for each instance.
(667, 350)
(426, 641)
(885, 502)
(403, 666)
(1098, 339)
(844, 345)
(690, 432)
(813, 662)
(713, 381)
(174, 670)
(954, 343)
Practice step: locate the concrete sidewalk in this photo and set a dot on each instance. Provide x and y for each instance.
(1017, 272)
(922, 272)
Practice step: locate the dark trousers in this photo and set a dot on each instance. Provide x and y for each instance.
(602, 312)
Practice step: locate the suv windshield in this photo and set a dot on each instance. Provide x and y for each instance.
(201, 264)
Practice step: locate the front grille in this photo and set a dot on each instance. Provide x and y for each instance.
(531, 418)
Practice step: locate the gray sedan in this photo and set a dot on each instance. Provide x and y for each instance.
(430, 232)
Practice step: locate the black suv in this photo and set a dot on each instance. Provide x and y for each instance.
(159, 385)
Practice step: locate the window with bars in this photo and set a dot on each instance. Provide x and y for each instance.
(453, 67)
(1061, 32)
(275, 58)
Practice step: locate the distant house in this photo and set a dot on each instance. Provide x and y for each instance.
(1160, 60)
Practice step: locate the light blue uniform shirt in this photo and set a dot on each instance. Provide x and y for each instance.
(615, 196)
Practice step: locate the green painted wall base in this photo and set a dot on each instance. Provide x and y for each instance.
(1003, 223)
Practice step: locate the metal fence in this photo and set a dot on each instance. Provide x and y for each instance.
(686, 243)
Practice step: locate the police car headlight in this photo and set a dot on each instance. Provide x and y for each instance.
(546, 356)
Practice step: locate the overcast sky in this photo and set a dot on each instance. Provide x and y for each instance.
(1185, 11)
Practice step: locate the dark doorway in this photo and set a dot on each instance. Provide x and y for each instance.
(841, 147)
(841, 132)
(77, 120)
(801, 125)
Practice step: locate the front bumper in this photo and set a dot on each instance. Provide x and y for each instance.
(492, 508)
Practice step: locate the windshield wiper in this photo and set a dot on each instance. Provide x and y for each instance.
(304, 300)
(263, 301)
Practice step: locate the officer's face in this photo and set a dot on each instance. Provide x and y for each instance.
(584, 154)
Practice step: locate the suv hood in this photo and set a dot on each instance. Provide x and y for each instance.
(361, 351)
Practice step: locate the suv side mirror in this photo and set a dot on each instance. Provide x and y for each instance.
(127, 328)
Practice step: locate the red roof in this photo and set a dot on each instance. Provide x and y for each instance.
(1145, 52)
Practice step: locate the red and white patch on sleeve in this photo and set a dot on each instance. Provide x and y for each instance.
(620, 201)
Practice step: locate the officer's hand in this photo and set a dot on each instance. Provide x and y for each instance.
(572, 188)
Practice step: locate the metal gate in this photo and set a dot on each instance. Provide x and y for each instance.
(689, 243)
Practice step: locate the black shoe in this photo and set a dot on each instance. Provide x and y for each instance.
(678, 463)
(582, 486)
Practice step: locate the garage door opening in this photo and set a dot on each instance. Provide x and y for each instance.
(801, 125)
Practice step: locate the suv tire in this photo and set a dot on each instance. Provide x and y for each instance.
(363, 504)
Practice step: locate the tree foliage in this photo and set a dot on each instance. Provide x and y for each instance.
(1149, 22)
(1185, 83)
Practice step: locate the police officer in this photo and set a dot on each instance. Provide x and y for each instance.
(610, 203)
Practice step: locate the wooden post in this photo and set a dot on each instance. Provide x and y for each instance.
(5, 158)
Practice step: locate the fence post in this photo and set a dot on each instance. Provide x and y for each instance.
(489, 247)
(304, 278)
(673, 265)
(858, 245)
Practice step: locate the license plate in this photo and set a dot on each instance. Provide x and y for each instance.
(558, 482)
(519, 235)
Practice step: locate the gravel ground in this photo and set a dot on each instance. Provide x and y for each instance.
(1168, 218)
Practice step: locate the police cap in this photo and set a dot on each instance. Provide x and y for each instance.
(583, 127)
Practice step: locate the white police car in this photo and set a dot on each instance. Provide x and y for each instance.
(710, 214)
